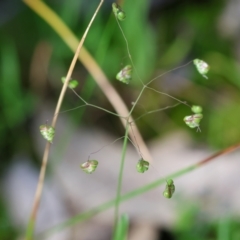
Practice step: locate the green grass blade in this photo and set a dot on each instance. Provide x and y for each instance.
(122, 228)
(120, 177)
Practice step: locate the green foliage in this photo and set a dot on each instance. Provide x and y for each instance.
(224, 124)
(194, 225)
(14, 101)
(7, 231)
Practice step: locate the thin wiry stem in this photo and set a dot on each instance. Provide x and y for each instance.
(95, 106)
(154, 111)
(163, 93)
(72, 109)
(168, 72)
(128, 50)
(105, 146)
(129, 139)
(120, 177)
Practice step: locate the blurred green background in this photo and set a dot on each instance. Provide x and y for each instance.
(162, 35)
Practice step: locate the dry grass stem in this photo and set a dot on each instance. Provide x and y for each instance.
(47, 148)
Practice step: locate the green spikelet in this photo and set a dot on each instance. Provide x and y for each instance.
(202, 67)
(118, 12)
(142, 166)
(72, 83)
(125, 75)
(170, 189)
(196, 109)
(47, 132)
(89, 166)
(193, 120)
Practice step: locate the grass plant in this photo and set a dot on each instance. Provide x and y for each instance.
(122, 112)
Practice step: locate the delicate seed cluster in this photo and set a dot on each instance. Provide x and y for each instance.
(89, 166)
(72, 83)
(125, 75)
(118, 12)
(202, 67)
(170, 189)
(194, 120)
(142, 166)
(47, 132)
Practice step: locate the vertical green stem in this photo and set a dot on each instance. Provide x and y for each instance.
(120, 177)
